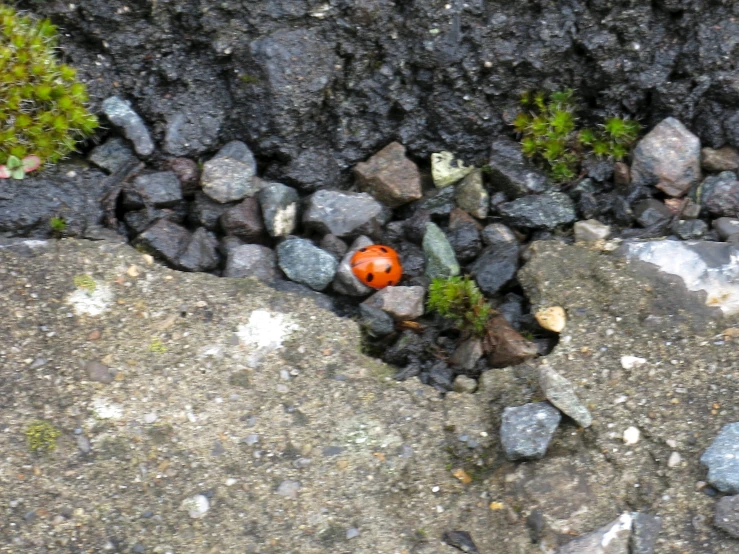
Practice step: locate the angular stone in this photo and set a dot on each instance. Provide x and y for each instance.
(207, 212)
(226, 179)
(447, 170)
(543, 211)
(471, 195)
(415, 226)
(334, 246)
(644, 532)
(461, 540)
(201, 253)
(439, 376)
(344, 214)
(464, 236)
(305, 263)
(668, 157)
(651, 212)
(279, 208)
(463, 384)
(726, 227)
(727, 515)
(496, 266)
(252, 260)
(188, 173)
(345, 281)
(723, 159)
(192, 132)
(165, 239)
(159, 190)
(244, 221)
(390, 177)
(609, 539)
(313, 169)
(560, 392)
(621, 175)
(511, 172)
(99, 372)
(112, 155)
(401, 303)
(440, 259)
(140, 220)
(591, 230)
(689, 229)
(526, 431)
(722, 459)
(377, 323)
(120, 114)
(719, 194)
(467, 354)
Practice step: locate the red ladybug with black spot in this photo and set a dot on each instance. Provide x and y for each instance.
(377, 266)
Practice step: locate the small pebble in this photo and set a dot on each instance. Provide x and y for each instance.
(150, 418)
(351, 533)
(631, 435)
(674, 460)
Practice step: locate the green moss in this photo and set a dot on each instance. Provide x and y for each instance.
(551, 137)
(249, 79)
(157, 347)
(85, 282)
(58, 224)
(459, 299)
(41, 436)
(43, 112)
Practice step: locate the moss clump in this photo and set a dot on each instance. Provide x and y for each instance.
(459, 299)
(43, 111)
(58, 224)
(550, 134)
(85, 282)
(41, 436)
(157, 347)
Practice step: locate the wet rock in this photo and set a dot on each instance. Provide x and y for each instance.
(377, 323)
(464, 385)
(471, 195)
(334, 246)
(651, 211)
(461, 540)
(345, 281)
(99, 372)
(415, 226)
(591, 230)
(526, 430)
(410, 347)
(190, 133)
(188, 173)
(727, 515)
(447, 170)
(141, 220)
(464, 236)
(344, 214)
(390, 177)
(723, 159)
(311, 170)
(228, 179)
(438, 202)
(159, 190)
(279, 208)
(645, 529)
(688, 229)
(467, 354)
(201, 253)
(598, 169)
(621, 175)
(496, 266)
(112, 155)
(512, 309)
(440, 259)
(668, 157)
(719, 194)
(543, 211)
(726, 227)
(439, 376)
(609, 539)
(305, 263)
(401, 303)
(120, 114)
(722, 459)
(244, 221)
(165, 239)
(560, 392)
(207, 212)
(511, 173)
(252, 260)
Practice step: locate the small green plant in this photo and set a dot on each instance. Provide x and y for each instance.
(85, 282)
(41, 436)
(550, 135)
(43, 112)
(58, 224)
(157, 347)
(459, 299)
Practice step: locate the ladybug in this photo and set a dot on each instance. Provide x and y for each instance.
(377, 266)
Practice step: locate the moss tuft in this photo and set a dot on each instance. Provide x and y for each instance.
(41, 436)
(459, 299)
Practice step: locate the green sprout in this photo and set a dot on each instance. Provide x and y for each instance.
(41, 436)
(58, 224)
(459, 299)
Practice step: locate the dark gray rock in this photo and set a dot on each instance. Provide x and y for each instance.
(668, 157)
(158, 190)
(201, 253)
(440, 259)
(560, 392)
(112, 155)
(207, 212)
(727, 515)
(188, 173)
(461, 540)
(609, 539)
(311, 170)
(645, 529)
(467, 354)
(437, 201)
(99, 372)
(228, 179)
(526, 430)
(722, 459)
(512, 309)
(401, 303)
(377, 323)
(344, 214)
(472, 196)
(688, 229)
(719, 194)
(120, 114)
(726, 227)
(244, 221)
(305, 263)
(334, 246)
(345, 281)
(511, 173)
(251, 260)
(166, 240)
(279, 208)
(543, 211)
(464, 236)
(236, 150)
(190, 133)
(497, 264)
(651, 211)
(599, 169)
(415, 226)
(389, 176)
(140, 220)
(440, 376)
(723, 159)
(591, 230)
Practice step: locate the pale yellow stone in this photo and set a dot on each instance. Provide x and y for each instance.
(552, 319)
(133, 271)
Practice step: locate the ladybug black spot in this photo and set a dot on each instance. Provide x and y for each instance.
(369, 277)
(389, 268)
(363, 250)
(383, 249)
(389, 283)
